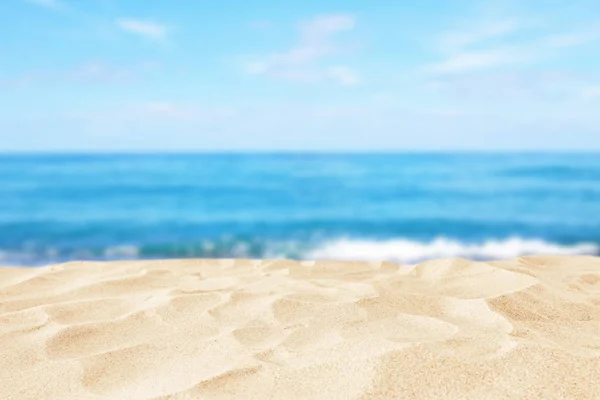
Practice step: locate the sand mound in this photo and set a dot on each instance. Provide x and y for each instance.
(240, 329)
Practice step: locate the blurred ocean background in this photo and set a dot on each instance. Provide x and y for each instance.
(404, 207)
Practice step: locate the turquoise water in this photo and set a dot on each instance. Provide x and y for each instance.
(402, 207)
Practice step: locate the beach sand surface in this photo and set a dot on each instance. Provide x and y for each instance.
(527, 328)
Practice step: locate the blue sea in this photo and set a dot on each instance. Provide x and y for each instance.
(405, 207)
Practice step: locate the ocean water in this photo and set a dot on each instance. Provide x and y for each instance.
(401, 207)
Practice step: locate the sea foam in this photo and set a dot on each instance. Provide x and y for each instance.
(410, 251)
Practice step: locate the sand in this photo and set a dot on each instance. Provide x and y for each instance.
(527, 328)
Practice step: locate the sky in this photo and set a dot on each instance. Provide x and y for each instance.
(331, 75)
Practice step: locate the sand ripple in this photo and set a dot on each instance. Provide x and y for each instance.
(527, 328)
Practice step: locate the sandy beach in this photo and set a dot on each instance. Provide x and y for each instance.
(527, 328)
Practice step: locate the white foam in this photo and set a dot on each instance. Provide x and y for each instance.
(409, 251)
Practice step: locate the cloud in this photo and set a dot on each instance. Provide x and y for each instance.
(499, 44)
(54, 4)
(147, 29)
(591, 92)
(466, 50)
(469, 61)
(301, 62)
(454, 41)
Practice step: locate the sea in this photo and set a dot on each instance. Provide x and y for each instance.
(403, 207)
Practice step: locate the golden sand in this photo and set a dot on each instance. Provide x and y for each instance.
(527, 328)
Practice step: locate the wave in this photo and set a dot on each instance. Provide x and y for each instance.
(400, 250)
(409, 251)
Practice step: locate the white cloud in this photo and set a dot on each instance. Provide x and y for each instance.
(591, 92)
(458, 40)
(466, 50)
(496, 44)
(147, 29)
(316, 42)
(469, 61)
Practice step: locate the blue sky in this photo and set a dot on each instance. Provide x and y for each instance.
(152, 75)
